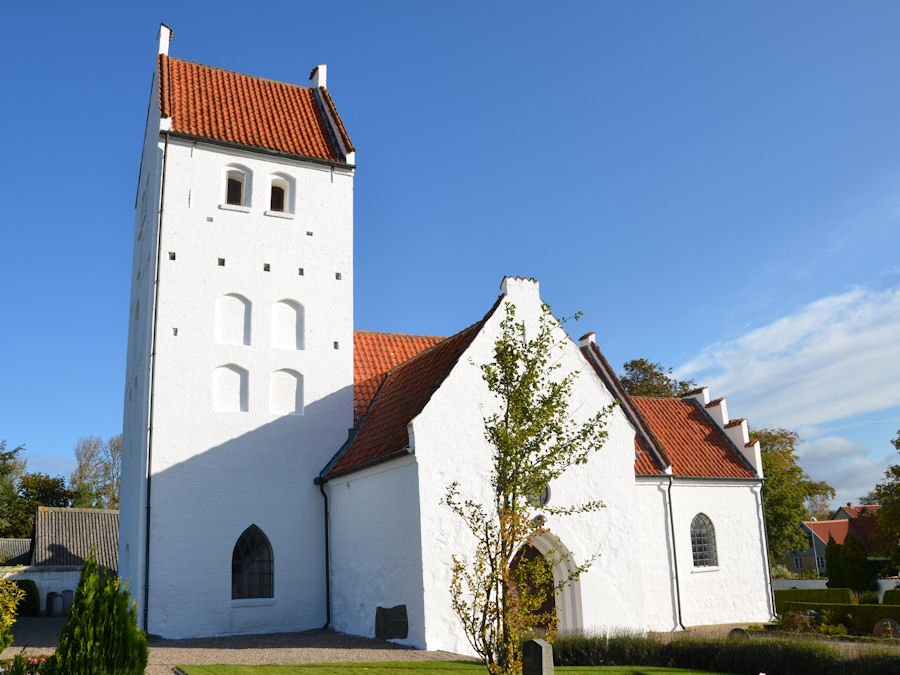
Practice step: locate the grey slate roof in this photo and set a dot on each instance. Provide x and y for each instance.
(65, 536)
(15, 551)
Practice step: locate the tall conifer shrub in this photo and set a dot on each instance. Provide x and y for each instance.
(101, 636)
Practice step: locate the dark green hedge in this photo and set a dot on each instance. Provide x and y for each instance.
(891, 597)
(855, 617)
(829, 595)
(761, 655)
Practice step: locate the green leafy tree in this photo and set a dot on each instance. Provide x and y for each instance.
(497, 592)
(37, 489)
(644, 378)
(887, 493)
(95, 480)
(786, 491)
(101, 636)
(11, 469)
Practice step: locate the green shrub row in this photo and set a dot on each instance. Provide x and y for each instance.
(856, 617)
(727, 655)
(891, 597)
(829, 595)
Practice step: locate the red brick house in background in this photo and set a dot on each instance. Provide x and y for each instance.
(856, 521)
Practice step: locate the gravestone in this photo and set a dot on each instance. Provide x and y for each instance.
(739, 633)
(391, 622)
(537, 658)
(886, 628)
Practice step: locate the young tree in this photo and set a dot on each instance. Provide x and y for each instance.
(95, 479)
(786, 491)
(644, 378)
(498, 592)
(834, 565)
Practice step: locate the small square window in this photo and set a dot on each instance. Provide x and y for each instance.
(337, 345)
(337, 275)
(266, 267)
(171, 255)
(209, 219)
(308, 233)
(221, 262)
(300, 271)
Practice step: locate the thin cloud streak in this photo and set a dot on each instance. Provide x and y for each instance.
(835, 358)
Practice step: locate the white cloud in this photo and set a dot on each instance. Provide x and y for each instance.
(844, 464)
(835, 358)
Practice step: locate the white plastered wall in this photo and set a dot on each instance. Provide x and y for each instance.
(737, 589)
(137, 371)
(214, 473)
(376, 556)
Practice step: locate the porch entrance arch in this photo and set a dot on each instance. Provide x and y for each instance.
(567, 600)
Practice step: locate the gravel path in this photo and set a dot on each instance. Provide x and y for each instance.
(316, 646)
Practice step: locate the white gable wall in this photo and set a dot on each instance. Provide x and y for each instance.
(450, 446)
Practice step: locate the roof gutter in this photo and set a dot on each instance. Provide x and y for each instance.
(265, 151)
(765, 531)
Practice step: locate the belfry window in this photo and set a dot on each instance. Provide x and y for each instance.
(252, 573)
(281, 196)
(703, 542)
(277, 201)
(237, 187)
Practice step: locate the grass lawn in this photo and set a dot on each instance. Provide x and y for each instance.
(393, 668)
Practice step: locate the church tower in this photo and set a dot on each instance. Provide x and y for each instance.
(240, 350)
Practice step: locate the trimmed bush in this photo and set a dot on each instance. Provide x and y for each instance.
(101, 636)
(891, 597)
(829, 595)
(869, 598)
(855, 617)
(766, 655)
(31, 604)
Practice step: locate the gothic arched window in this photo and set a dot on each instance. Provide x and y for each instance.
(252, 566)
(703, 542)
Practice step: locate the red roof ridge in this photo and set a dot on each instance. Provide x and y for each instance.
(238, 73)
(696, 390)
(734, 423)
(715, 402)
(410, 335)
(329, 103)
(753, 441)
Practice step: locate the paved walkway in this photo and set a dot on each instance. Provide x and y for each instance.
(40, 636)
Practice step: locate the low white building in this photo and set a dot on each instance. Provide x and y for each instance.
(246, 506)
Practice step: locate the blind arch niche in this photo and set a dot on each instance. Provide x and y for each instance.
(233, 319)
(230, 388)
(287, 325)
(286, 392)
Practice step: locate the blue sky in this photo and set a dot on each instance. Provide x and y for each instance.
(716, 185)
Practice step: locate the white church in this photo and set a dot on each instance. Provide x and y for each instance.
(283, 472)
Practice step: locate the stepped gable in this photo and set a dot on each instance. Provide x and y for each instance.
(374, 354)
(221, 105)
(695, 445)
(404, 392)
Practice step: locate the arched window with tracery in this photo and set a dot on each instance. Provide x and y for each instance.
(703, 542)
(252, 567)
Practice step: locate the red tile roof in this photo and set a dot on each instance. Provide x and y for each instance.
(861, 510)
(226, 106)
(643, 460)
(402, 395)
(839, 529)
(374, 354)
(693, 442)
